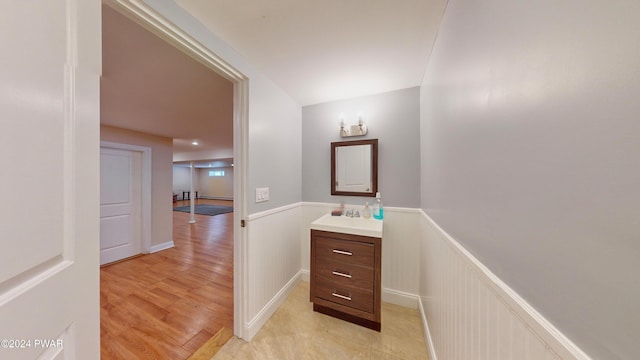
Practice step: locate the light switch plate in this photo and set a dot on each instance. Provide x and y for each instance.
(262, 194)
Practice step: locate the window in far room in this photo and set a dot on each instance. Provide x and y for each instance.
(216, 172)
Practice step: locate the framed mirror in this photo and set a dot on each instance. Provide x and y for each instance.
(354, 168)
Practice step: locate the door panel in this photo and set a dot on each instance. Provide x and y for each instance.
(120, 204)
(34, 172)
(49, 133)
(114, 232)
(115, 177)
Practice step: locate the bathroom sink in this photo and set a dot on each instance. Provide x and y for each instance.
(348, 225)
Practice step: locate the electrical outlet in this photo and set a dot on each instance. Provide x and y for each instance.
(262, 194)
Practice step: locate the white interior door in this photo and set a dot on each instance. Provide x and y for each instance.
(49, 138)
(120, 204)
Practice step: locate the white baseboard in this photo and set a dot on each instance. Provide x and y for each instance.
(252, 327)
(427, 334)
(305, 275)
(400, 298)
(207, 197)
(160, 247)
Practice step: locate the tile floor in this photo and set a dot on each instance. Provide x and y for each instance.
(295, 331)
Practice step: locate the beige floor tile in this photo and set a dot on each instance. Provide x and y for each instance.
(223, 356)
(378, 355)
(231, 348)
(295, 332)
(274, 347)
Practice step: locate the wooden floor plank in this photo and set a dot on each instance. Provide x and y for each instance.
(168, 304)
(197, 341)
(212, 345)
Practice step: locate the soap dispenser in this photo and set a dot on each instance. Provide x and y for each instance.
(366, 213)
(378, 211)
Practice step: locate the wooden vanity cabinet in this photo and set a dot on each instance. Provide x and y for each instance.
(346, 277)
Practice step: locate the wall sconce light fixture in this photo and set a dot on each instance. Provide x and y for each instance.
(353, 130)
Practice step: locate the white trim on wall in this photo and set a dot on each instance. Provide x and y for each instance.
(256, 216)
(146, 188)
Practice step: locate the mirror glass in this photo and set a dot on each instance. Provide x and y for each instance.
(354, 168)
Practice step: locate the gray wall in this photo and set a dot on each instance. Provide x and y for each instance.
(391, 117)
(274, 147)
(530, 143)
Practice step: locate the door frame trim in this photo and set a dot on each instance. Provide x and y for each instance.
(153, 21)
(145, 205)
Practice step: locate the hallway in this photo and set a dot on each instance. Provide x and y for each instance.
(167, 304)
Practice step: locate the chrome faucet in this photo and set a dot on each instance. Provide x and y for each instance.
(351, 214)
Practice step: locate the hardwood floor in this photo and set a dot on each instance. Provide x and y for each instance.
(168, 304)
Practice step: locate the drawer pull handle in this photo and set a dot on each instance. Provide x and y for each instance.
(341, 274)
(342, 252)
(348, 298)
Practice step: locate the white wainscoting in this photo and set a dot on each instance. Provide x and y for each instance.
(472, 314)
(273, 269)
(400, 257)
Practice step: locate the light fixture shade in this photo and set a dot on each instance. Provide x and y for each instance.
(353, 130)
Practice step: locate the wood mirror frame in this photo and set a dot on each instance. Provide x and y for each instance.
(374, 167)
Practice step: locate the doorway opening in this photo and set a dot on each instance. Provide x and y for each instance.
(143, 15)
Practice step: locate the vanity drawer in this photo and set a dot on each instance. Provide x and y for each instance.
(352, 297)
(352, 252)
(345, 275)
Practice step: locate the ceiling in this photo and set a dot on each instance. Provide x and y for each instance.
(316, 51)
(324, 50)
(150, 86)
